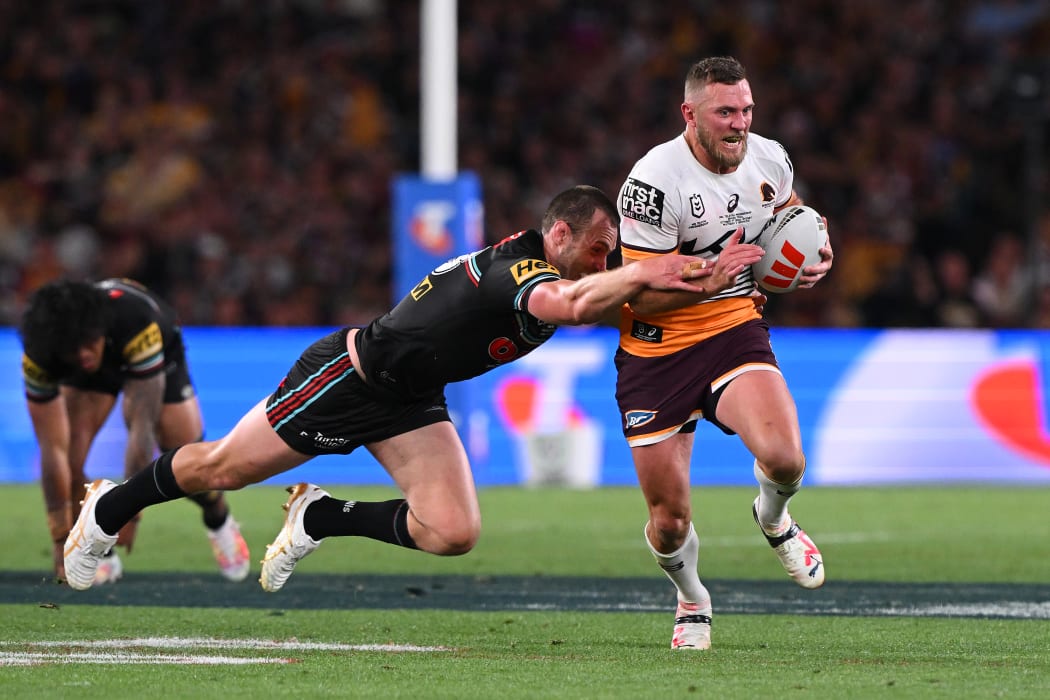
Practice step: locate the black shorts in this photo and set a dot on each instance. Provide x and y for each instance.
(178, 386)
(661, 396)
(324, 407)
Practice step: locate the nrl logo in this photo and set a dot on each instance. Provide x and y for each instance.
(696, 205)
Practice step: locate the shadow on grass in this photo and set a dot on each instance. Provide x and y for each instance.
(489, 593)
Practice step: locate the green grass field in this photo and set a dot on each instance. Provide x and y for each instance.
(109, 649)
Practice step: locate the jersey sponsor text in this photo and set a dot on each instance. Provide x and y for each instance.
(642, 202)
(526, 269)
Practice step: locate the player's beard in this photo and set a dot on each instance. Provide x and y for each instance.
(713, 146)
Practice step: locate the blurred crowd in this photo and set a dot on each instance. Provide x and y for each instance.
(237, 155)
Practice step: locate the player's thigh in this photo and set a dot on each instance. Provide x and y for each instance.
(248, 454)
(432, 470)
(663, 470)
(180, 423)
(758, 406)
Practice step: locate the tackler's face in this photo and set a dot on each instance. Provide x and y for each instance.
(585, 252)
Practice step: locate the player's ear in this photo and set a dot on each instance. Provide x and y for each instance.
(688, 113)
(562, 232)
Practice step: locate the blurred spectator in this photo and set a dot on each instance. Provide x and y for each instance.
(237, 157)
(955, 306)
(1002, 288)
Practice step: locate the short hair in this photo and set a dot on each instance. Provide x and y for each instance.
(717, 69)
(576, 206)
(60, 317)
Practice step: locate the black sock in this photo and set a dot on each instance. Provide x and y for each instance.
(214, 510)
(154, 484)
(386, 521)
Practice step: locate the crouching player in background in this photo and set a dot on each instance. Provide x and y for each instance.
(83, 345)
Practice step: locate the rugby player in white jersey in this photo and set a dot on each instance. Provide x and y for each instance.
(685, 357)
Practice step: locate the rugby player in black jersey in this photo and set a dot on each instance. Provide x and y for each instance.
(382, 387)
(83, 344)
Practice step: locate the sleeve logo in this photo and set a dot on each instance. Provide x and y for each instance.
(422, 288)
(32, 372)
(642, 202)
(147, 343)
(526, 269)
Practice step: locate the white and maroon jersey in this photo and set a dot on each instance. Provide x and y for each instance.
(670, 203)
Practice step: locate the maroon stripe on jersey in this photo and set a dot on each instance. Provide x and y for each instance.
(300, 395)
(472, 272)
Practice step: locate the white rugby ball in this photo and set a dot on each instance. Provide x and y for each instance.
(792, 240)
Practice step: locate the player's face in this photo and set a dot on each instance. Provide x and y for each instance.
(585, 252)
(89, 355)
(718, 118)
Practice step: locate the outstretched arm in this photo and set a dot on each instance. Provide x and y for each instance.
(730, 263)
(573, 303)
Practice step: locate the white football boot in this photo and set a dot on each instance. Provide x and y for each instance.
(797, 553)
(87, 545)
(292, 543)
(692, 627)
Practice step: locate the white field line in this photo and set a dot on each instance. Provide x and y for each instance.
(83, 651)
(214, 643)
(30, 658)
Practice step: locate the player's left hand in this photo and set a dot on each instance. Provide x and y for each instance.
(814, 273)
(126, 536)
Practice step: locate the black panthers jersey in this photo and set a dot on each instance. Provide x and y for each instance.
(140, 329)
(466, 317)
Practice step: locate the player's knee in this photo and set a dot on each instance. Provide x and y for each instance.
(229, 475)
(226, 481)
(669, 529)
(784, 466)
(212, 469)
(455, 539)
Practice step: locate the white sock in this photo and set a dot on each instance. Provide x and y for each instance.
(773, 502)
(682, 568)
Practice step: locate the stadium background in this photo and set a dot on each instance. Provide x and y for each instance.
(239, 158)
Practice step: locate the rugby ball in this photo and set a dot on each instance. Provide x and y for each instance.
(792, 240)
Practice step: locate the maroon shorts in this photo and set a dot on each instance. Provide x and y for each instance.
(661, 396)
